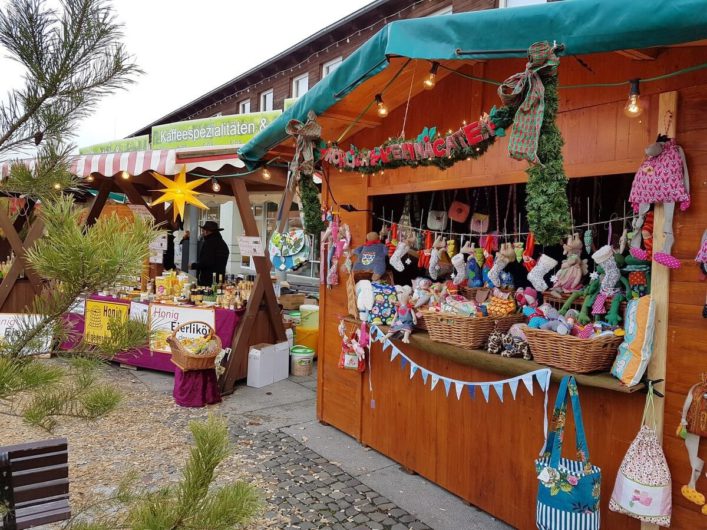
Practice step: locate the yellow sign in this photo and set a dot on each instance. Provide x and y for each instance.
(97, 317)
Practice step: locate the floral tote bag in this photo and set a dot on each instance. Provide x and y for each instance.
(568, 493)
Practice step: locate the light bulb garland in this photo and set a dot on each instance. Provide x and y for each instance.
(634, 105)
(215, 186)
(431, 79)
(382, 108)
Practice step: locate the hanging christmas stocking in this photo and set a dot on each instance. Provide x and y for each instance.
(434, 263)
(536, 276)
(423, 259)
(604, 257)
(528, 261)
(518, 248)
(459, 268)
(396, 260)
(473, 273)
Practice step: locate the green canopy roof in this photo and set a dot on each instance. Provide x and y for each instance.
(583, 26)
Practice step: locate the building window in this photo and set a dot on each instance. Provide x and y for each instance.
(444, 11)
(244, 106)
(519, 3)
(329, 66)
(300, 85)
(266, 101)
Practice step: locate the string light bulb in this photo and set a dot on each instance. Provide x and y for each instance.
(57, 186)
(382, 109)
(266, 174)
(125, 175)
(215, 186)
(431, 79)
(634, 106)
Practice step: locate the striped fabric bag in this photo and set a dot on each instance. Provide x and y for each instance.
(568, 493)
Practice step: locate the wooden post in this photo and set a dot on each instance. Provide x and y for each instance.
(660, 283)
(99, 202)
(262, 290)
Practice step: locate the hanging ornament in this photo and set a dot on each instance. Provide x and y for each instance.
(179, 192)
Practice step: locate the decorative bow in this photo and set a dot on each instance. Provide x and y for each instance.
(526, 90)
(306, 134)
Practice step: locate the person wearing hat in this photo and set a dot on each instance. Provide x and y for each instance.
(213, 254)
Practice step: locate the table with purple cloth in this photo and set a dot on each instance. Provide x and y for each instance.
(194, 388)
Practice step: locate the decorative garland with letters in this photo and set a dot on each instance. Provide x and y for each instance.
(428, 149)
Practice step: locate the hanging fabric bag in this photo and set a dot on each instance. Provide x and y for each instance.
(568, 493)
(643, 487)
(437, 219)
(458, 210)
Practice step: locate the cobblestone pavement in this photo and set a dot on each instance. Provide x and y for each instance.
(313, 492)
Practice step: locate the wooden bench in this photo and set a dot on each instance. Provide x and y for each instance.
(34, 483)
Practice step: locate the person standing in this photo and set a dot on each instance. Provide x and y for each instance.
(213, 254)
(184, 245)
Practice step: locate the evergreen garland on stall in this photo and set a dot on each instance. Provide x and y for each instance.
(546, 202)
(311, 205)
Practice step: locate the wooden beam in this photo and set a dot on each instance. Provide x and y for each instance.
(660, 283)
(649, 54)
(98, 202)
(10, 279)
(19, 247)
(237, 365)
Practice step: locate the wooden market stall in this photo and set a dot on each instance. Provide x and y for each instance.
(484, 451)
(132, 175)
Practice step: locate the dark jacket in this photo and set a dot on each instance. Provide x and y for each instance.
(213, 256)
(184, 243)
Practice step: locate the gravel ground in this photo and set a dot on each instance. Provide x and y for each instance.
(150, 434)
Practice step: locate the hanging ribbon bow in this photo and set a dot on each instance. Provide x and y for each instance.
(305, 135)
(526, 90)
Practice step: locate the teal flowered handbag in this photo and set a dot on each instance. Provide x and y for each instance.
(289, 250)
(568, 493)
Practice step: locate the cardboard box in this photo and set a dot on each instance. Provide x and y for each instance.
(281, 361)
(261, 364)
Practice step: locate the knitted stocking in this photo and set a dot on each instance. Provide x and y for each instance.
(434, 263)
(518, 247)
(498, 266)
(611, 277)
(473, 273)
(396, 260)
(544, 265)
(459, 267)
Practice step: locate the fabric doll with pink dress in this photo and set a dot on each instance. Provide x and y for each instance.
(662, 178)
(573, 268)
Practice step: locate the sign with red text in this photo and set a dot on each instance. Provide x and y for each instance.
(164, 319)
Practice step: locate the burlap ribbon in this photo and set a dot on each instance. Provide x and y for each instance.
(526, 90)
(305, 134)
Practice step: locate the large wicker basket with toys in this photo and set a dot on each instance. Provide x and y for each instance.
(466, 332)
(194, 354)
(570, 353)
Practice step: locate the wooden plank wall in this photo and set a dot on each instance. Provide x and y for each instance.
(484, 452)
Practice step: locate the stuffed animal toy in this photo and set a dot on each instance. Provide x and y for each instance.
(693, 427)
(573, 268)
(405, 319)
(527, 296)
(421, 292)
(371, 256)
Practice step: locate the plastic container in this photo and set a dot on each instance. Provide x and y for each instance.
(301, 360)
(307, 337)
(309, 316)
(292, 316)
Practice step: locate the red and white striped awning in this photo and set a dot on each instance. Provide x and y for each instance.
(164, 161)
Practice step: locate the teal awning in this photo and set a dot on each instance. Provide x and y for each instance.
(117, 197)
(583, 26)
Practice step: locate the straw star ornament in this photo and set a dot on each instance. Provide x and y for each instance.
(179, 192)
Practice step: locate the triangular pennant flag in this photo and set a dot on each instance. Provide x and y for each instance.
(528, 382)
(387, 344)
(447, 384)
(425, 374)
(543, 379)
(413, 369)
(435, 380)
(485, 390)
(393, 353)
(498, 387)
(459, 387)
(513, 384)
(472, 391)
(403, 362)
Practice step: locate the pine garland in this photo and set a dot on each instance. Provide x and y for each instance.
(546, 202)
(311, 205)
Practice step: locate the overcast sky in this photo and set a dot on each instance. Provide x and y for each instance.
(187, 48)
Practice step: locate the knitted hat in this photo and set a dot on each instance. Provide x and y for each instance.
(603, 254)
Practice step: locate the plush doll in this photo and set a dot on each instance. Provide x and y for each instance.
(573, 268)
(527, 296)
(364, 298)
(421, 292)
(644, 235)
(405, 318)
(371, 256)
(604, 257)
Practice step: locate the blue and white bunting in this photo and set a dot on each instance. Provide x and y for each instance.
(447, 384)
(542, 375)
(459, 387)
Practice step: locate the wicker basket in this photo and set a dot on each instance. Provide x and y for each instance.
(572, 353)
(557, 300)
(421, 322)
(466, 332)
(186, 360)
